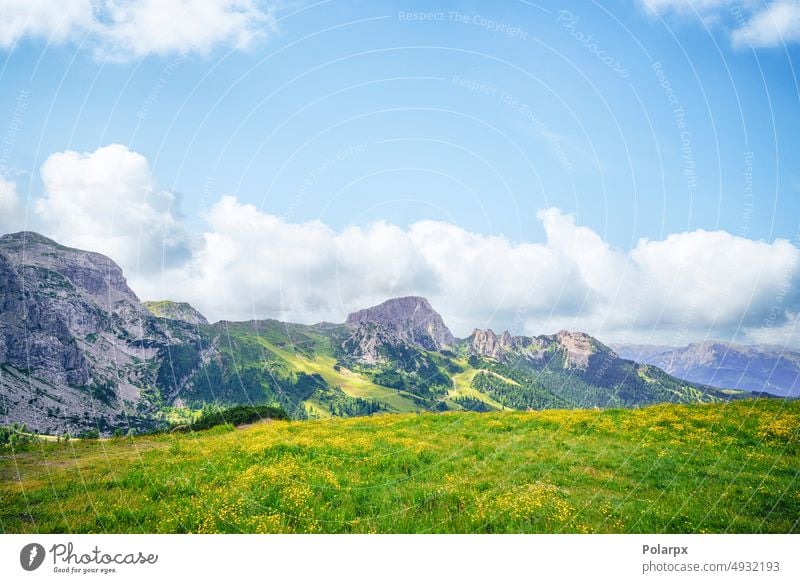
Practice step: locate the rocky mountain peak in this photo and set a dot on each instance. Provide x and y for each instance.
(411, 319)
(93, 276)
(180, 311)
(579, 346)
(73, 335)
(487, 343)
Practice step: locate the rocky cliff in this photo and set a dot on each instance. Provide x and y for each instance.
(574, 348)
(74, 340)
(412, 319)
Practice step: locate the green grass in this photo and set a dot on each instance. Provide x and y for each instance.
(668, 468)
(351, 383)
(462, 387)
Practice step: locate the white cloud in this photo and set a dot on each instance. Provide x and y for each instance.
(10, 206)
(253, 264)
(488, 280)
(108, 201)
(136, 28)
(756, 23)
(716, 277)
(687, 287)
(250, 264)
(55, 21)
(776, 25)
(684, 6)
(167, 26)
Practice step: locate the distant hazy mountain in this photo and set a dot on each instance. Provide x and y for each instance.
(758, 368)
(78, 350)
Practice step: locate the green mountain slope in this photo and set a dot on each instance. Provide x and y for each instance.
(351, 370)
(80, 352)
(180, 311)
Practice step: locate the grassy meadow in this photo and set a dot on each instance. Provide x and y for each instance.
(670, 468)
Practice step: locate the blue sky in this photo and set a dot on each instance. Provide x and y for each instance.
(474, 114)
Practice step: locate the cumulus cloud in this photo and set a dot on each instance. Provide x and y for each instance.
(53, 21)
(689, 286)
(777, 24)
(252, 264)
(108, 201)
(755, 23)
(137, 28)
(247, 263)
(10, 205)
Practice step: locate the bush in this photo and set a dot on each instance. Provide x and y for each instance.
(238, 415)
(16, 435)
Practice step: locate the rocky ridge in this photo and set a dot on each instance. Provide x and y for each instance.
(576, 347)
(411, 319)
(180, 311)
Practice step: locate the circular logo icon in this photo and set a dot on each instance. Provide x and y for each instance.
(31, 556)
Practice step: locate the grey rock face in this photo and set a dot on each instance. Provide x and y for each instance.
(368, 342)
(505, 347)
(180, 311)
(575, 347)
(578, 347)
(73, 336)
(412, 319)
(487, 343)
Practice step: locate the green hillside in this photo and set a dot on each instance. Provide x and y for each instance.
(732, 467)
(273, 362)
(321, 371)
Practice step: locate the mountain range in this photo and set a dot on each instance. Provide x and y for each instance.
(767, 369)
(79, 350)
